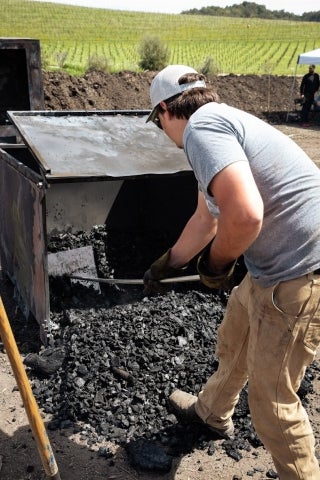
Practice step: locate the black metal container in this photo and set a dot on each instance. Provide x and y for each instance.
(75, 170)
(20, 82)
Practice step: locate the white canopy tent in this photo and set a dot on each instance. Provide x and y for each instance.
(312, 58)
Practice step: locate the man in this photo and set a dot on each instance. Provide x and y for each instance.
(259, 196)
(309, 86)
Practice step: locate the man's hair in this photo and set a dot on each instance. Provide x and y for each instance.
(186, 103)
(312, 66)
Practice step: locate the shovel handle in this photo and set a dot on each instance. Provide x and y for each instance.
(29, 402)
(135, 281)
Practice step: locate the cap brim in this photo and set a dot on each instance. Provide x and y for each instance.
(152, 115)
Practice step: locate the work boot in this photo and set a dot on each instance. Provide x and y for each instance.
(184, 404)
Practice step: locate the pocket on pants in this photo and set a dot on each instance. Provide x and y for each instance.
(293, 297)
(312, 333)
(298, 301)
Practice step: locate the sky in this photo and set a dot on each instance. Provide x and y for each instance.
(176, 6)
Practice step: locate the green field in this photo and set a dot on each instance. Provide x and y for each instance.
(70, 35)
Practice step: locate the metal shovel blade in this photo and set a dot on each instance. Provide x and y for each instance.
(76, 261)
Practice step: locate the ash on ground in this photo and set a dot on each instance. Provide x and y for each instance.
(117, 356)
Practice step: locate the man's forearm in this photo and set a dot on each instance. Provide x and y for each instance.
(229, 244)
(192, 240)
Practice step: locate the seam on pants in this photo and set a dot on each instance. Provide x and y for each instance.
(294, 329)
(223, 381)
(280, 420)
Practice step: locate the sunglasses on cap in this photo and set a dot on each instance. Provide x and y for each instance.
(156, 119)
(157, 122)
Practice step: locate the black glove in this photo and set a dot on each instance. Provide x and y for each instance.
(221, 281)
(160, 269)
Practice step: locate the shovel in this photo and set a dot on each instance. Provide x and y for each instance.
(135, 281)
(29, 402)
(79, 264)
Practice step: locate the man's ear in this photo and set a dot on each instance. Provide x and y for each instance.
(163, 105)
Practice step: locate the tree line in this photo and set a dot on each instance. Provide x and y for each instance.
(253, 10)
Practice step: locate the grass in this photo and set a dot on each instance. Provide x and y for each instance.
(69, 35)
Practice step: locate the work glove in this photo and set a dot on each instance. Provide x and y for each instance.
(221, 281)
(160, 269)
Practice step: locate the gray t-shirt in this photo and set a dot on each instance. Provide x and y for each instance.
(288, 245)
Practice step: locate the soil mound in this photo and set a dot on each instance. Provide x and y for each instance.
(264, 96)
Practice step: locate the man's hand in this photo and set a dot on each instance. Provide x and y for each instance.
(160, 269)
(218, 281)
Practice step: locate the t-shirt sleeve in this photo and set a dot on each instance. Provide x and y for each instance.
(212, 147)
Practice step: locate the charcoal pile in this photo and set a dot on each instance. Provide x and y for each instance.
(117, 355)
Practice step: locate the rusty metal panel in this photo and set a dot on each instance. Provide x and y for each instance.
(22, 240)
(98, 144)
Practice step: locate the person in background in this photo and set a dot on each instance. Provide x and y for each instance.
(308, 87)
(259, 196)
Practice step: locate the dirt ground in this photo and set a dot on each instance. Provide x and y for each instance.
(19, 459)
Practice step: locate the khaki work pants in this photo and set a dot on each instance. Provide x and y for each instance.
(268, 337)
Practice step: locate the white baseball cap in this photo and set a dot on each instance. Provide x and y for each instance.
(166, 84)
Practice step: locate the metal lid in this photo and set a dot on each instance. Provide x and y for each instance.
(118, 144)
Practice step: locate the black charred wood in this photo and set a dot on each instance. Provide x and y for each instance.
(125, 353)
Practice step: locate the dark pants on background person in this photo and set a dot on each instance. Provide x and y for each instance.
(306, 106)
